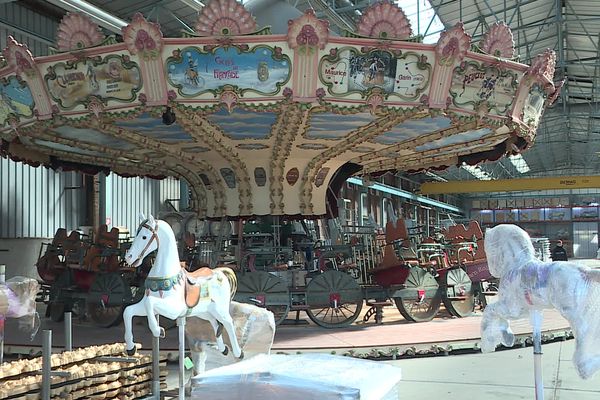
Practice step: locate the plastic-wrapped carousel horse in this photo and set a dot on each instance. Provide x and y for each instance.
(17, 301)
(173, 292)
(528, 285)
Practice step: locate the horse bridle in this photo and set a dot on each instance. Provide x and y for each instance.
(154, 230)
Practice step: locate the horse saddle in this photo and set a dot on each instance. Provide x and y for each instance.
(196, 286)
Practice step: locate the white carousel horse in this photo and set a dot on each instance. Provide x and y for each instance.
(168, 284)
(17, 300)
(528, 285)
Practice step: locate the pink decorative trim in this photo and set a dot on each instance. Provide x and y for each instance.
(225, 18)
(543, 65)
(374, 101)
(384, 20)
(95, 106)
(552, 98)
(453, 45)
(229, 99)
(19, 57)
(143, 37)
(498, 41)
(77, 31)
(308, 31)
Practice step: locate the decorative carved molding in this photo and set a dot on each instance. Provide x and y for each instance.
(225, 18)
(19, 57)
(77, 31)
(498, 41)
(453, 45)
(384, 20)
(143, 37)
(543, 65)
(307, 31)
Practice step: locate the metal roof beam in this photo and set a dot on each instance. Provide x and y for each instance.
(101, 17)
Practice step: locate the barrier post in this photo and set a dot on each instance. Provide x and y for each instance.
(156, 365)
(181, 326)
(68, 331)
(536, 322)
(46, 364)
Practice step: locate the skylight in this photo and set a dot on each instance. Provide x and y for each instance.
(519, 163)
(477, 172)
(423, 19)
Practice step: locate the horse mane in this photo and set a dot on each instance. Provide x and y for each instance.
(507, 247)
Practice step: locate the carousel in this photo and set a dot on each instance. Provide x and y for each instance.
(259, 124)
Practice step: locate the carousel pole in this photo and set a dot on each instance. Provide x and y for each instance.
(536, 322)
(181, 326)
(156, 365)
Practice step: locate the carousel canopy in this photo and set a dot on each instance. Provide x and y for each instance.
(260, 123)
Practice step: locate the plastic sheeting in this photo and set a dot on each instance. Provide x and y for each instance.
(299, 377)
(528, 284)
(17, 301)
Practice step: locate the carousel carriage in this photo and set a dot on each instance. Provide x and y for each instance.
(330, 282)
(88, 273)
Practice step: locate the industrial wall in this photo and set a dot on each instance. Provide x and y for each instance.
(34, 202)
(126, 198)
(35, 30)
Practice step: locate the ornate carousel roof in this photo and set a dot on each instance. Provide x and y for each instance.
(269, 124)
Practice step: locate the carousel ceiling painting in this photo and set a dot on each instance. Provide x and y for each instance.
(268, 124)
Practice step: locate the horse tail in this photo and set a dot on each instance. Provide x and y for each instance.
(231, 277)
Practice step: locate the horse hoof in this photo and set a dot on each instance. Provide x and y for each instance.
(131, 352)
(241, 357)
(226, 351)
(219, 329)
(162, 334)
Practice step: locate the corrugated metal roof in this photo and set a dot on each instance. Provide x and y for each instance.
(569, 136)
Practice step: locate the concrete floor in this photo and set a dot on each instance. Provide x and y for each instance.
(503, 375)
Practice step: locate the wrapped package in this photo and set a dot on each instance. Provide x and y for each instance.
(528, 284)
(299, 377)
(17, 301)
(254, 328)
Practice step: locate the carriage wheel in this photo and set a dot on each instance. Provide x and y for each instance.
(47, 267)
(421, 299)
(265, 289)
(459, 297)
(56, 305)
(334, 299)
(107, 295)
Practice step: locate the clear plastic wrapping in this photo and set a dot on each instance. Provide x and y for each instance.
(299, 377)
(17, 301)
(528, 284)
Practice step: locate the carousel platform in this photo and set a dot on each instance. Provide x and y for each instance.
(394, 338)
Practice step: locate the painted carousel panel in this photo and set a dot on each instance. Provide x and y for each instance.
(331, 126)
(154, 128)
(242, 124)
(15, 98)
(262, 70)
(347, 70)
(413, 128)
(92, 136)
(114, 78)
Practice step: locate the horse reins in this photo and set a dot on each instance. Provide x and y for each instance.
(154, 236)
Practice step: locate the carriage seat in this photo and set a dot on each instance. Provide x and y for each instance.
(103, 254)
